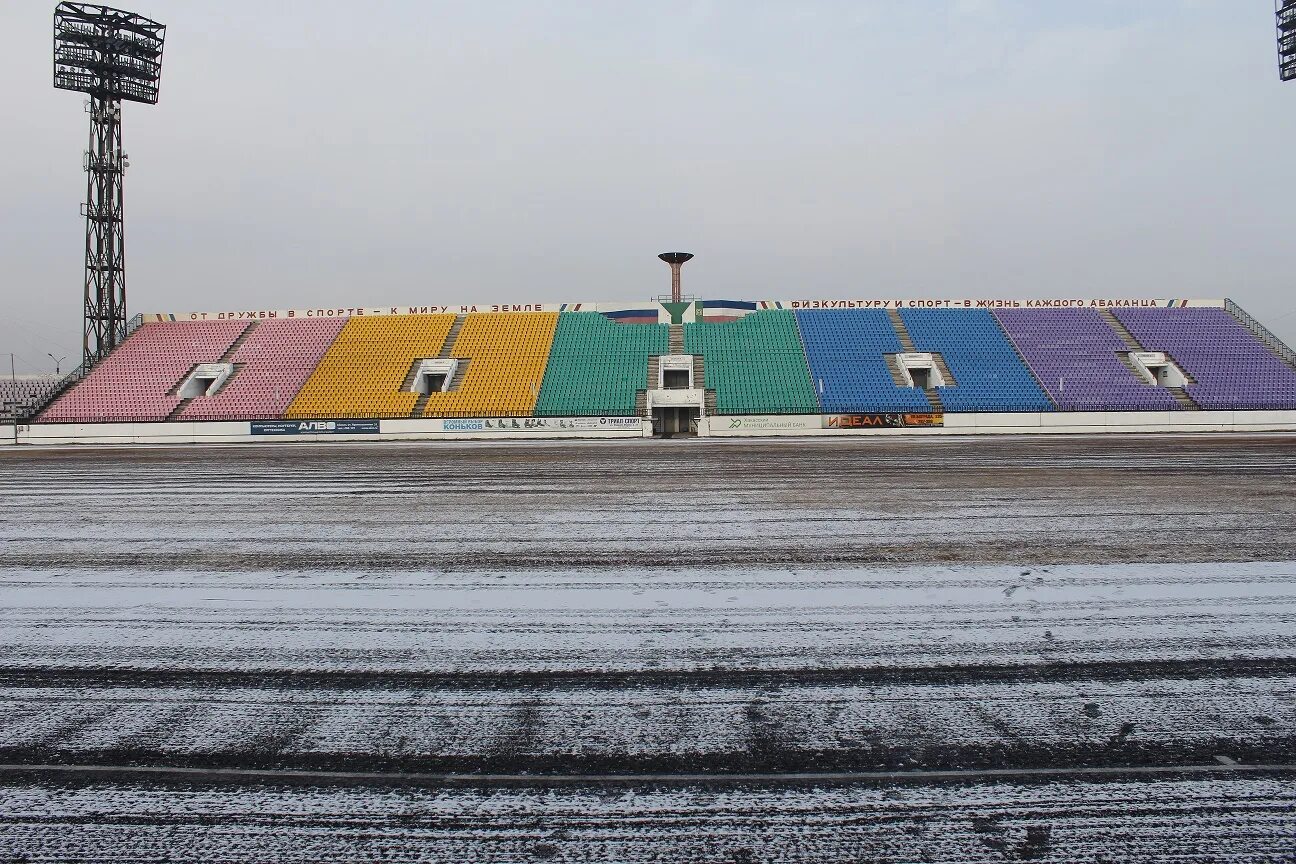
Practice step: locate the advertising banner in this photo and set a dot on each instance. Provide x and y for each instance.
(314, 427)
(537, 424)
(767, 423)
(881, 421)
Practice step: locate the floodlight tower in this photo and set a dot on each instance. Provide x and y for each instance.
(677, 260)
(110, 55)
(1285, 12)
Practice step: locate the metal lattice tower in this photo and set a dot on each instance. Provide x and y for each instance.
(1285, 12)
(105, 251)
(112, 56)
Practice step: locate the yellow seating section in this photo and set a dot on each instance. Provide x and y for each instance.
(507, 356)
(362, 372)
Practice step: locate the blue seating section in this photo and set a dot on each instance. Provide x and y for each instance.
(988, 373)
(846, 350)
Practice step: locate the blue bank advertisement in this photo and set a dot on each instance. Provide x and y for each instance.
(314, 427)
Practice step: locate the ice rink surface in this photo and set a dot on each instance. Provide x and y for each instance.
(682, 612)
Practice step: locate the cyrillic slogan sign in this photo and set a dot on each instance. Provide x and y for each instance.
(352, 312)
(990, 303)
(654, 311)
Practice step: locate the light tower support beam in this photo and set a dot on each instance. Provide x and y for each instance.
(105, 252)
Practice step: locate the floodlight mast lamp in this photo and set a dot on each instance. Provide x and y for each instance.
(1285, 13)
(110, 55)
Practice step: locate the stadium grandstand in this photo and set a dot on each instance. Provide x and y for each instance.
(23, 397)
(674, 364)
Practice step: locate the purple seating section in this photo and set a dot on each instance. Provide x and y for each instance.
(1073, 353)
(270, 367)
(1232, 368)
(133, 382)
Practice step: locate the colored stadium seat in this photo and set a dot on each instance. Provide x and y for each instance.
(755, 364)
(507, 356)
(136, 382)
(769, 361)
(270, 366)
(846, 349)
(988, 373)
(1074, 353)
(597, 366)
(1233, 370)
(362, 373)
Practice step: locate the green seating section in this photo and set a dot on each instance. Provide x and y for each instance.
(756, 364)
(596, 365)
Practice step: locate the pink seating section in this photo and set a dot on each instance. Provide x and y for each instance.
(133, 382)
(271, 366)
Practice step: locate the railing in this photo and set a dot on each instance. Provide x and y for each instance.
(1261, 332)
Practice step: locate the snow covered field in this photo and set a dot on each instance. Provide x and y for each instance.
(1206, 820)
(576, 727)
(488, 622)
(652, 608)
(659, 505)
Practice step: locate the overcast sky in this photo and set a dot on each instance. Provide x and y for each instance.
(488, 151)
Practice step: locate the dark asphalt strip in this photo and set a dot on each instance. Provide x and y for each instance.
(1152, 670)
(107, 773)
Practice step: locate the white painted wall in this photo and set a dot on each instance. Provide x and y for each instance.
(1025, 423)
(135, 433)
(753, 426)
(238, 432)
(595, 427)
(676, 399)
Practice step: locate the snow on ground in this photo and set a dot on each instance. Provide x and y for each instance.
(676, 607)
(536, 620)
(884, 723)
(1209, 820)
(651, 504)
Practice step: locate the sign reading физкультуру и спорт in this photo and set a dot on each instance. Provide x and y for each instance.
(991, 303)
